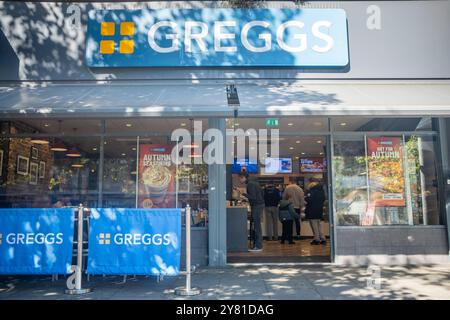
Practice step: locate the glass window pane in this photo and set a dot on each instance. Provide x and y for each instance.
(423, 180)
(119, 172)
(383, 180)
(37, 173)
(350, 190)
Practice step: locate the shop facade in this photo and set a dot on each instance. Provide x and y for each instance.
(77, 128)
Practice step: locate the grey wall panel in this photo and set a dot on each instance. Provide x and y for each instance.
(199, 247)
(357, 245)
(40, 41)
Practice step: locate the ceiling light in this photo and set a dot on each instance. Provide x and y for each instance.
(290, 124)
(291, 148)
(134, 148)
(39, 141)
(46, 125)
(298, 141)
(236, 124)
(128, 125)
(73, 153)
(124, 154)
(189, 146)
(303, 153)
(319, 141)
(343, 124)
(317, 124)
(94, 149)
(321, 153)
(183, 124)
(77, 166)
(58, 147)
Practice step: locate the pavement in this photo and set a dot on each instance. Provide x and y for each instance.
(286, 282)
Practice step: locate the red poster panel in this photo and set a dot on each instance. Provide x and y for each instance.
(386, 178)
(156, 177)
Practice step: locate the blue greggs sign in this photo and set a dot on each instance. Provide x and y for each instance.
(217, 38)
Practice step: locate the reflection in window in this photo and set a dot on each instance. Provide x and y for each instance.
(37, 173)
(386, 181)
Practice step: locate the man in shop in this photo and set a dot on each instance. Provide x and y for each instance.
(255, 197)
(296, 196)
(272, 200)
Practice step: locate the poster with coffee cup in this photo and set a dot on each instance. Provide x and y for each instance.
(156, 177)
(386, 181)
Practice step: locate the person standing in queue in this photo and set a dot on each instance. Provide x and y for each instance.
(296, 196)
(272, 199)
(255, 197)
(287, 216)
(314, 210)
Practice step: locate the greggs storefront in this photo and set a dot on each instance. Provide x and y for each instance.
(129, 106)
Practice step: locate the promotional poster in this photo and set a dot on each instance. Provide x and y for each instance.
(386, 182)
(156, 177)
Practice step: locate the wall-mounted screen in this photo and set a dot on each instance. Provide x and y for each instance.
(244, 165)
(313, 165)
(278, 165)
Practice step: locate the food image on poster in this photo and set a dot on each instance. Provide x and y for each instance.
(386, 181)
(156, 177)
(313, 165)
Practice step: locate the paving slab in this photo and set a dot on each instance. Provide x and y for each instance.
(303, 282)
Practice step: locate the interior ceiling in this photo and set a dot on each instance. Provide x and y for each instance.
(290, 144)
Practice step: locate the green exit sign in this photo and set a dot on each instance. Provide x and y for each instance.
(272, 122)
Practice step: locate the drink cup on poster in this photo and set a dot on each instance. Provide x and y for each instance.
(157, 180)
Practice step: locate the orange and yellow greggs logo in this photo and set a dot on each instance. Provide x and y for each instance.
(104, 238)
(108, 29)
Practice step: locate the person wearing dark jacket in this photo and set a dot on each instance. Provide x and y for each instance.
(287, 215)
(255, 197)
(272, 198)
(314, 211)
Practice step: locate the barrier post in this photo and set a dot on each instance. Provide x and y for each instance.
(188, 290)
(71, 287)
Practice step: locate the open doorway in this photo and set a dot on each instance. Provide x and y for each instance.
(301, 161)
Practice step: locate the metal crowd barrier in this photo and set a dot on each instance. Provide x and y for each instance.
(74, 287)
(74, 281)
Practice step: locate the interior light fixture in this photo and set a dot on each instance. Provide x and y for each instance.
(39, 141)
(72, 153)
(58, 147)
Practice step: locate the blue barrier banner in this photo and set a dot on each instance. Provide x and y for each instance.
(213, 37)
(134, 241)
(36, 241)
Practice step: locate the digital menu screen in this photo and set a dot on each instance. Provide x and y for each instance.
(244, 165)
(278, 165)
(313, 165)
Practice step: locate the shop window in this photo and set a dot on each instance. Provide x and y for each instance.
(119, 172)
(385, 180)
(36, 172)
